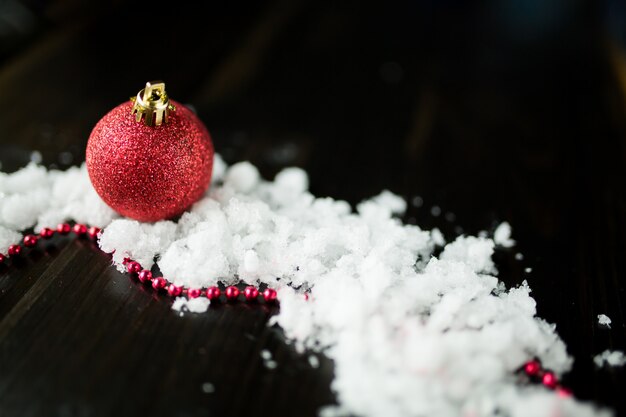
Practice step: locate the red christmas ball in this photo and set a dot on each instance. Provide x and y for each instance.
(150, 158)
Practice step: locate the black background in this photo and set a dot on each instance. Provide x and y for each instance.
(496, 111)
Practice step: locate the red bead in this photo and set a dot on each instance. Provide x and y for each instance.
(549, 380)
(563, 392)
(194, 292)
(251, 293)
(144, 276)
(159, 283)
(174, 290)
(93, 232)
(126, 260)
(14, 250)
(133, 267)
(2, 258)
(64, 228)
(213, 293)
(306, 296)
(532, 368)
(30, 241)
(270, 295)
(232, 293)
(80, 229)
(46, 233)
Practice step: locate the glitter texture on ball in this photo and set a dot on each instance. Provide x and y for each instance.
(150, 173)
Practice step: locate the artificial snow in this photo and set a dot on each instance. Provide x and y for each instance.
(410, 334)
(502, 235)
(193, 305)
(219, 168)
(8, 237)
(437, 237)
(268, 362)
(474, 252)
(395, 203)
(314, 361)
(604, 320)
(610, 358)
(243, 177)
(35, 197)
(126, 238)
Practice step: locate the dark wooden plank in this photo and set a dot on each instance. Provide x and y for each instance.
(116, 348)
(413, 98)
(91, 341)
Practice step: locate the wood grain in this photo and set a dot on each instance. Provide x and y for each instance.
(417, 98)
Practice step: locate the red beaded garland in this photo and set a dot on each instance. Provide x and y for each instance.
(159, 283)
(46, 233)
(549, 380)
(144, 276)
(80, 229)
(174, 290)
(93, 232)
(251, 293)
(14, 250)
(270, 295)
(563, 392)
(133, 267)
(194, 292)
(532, 368)
(64, 228)
(213, 293)
(30, 241)
(232, 293)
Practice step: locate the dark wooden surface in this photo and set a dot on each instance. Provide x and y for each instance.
(490, 112)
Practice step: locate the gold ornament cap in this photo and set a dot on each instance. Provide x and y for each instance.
(152, 104)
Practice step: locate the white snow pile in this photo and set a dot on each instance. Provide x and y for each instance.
(410, 334)
(7, 236)
(34, 196)
(192, 305)
(604, 320)
(613, 358)
(502, 235)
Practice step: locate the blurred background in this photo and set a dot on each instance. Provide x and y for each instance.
(476, 112)
(319, 84)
